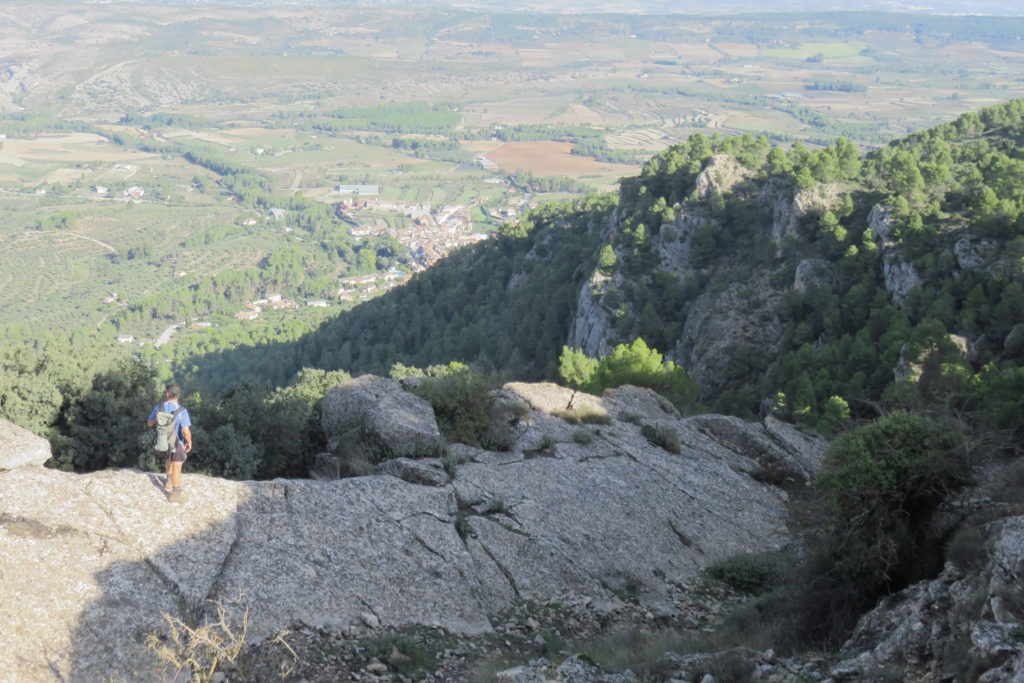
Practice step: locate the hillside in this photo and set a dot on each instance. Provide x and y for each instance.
(806, 283)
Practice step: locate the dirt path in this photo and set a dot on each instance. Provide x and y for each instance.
(75, 234)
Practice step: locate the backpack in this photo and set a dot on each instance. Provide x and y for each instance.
(166, 429)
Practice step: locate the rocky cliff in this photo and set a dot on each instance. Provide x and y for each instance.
(733, 315)
(91, 562)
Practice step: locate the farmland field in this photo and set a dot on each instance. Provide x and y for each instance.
(554, 158)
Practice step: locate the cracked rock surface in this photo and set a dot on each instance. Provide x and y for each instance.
(89, 563)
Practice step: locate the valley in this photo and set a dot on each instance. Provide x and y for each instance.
(127, 124)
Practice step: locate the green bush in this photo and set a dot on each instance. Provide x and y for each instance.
(462, 401)
(635, 364)
(881, 486)
(753, 573)
(498, 438)
(632, 418)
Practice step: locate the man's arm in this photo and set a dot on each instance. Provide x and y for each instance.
(187, 433)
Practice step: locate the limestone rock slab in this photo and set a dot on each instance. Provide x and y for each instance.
(20, 447)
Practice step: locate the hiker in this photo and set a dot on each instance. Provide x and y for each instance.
(180, 445)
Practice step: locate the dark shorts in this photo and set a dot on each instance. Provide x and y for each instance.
(178, 454)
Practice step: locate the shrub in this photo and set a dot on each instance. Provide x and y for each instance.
(203, 650)
(403, 654)
(634, 649)
(498, 438)
(593, 416)
(450, 461)
(634, 363)
(553, 644)
(881, 486)
(883, 483)
(732, 665)
(632, 418)
(664, 436)
(583, 415)
(754, 573)
(462, 401)
(583, 437)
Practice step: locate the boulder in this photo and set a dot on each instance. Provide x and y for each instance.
(739, 319)
(973, 253)
(881, 223)
(593, 325)
(424, 472)
(397, 422)
(20, 447)
(775, 451)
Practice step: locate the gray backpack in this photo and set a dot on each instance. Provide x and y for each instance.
(166, 429)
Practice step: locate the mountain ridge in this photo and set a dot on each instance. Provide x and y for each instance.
(840, 263)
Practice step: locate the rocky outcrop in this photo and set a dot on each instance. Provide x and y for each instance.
(90, 563)
(20, 447)
(396, 422)
(734, 317)
(721, 175)
(900, 275)
(790, 206)
(913, 366)
(981, 613)
(815, 272)
(591, 328)
(881, 223)
(726, 323)
(977, 253)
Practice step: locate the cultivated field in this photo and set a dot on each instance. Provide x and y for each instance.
(554, 158)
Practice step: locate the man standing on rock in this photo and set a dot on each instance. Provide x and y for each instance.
(177, 451)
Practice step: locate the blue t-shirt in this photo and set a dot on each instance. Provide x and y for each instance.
(182, 420)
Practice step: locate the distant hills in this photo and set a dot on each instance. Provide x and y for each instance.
(998, 7)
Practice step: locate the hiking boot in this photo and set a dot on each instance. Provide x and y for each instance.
(168, 486)
(177, 496)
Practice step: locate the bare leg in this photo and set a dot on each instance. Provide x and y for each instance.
(174, 471)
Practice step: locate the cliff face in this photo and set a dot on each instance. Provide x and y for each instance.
(736, 312)
(91, 562)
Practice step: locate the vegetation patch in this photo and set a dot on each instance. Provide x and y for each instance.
(663, 435)
(753, 574)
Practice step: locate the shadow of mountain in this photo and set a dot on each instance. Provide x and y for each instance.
(508, 302)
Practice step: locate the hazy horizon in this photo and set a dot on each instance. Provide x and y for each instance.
(703, 7)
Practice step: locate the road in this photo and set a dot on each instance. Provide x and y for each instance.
(166, 336)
